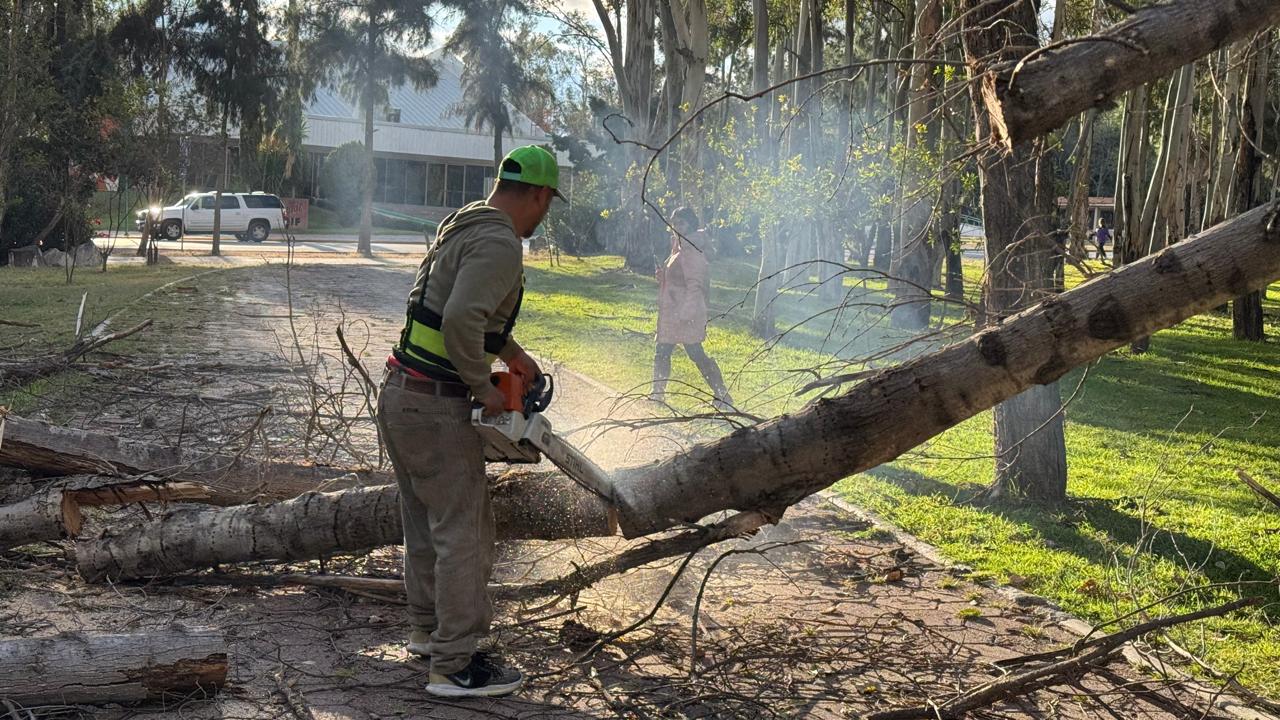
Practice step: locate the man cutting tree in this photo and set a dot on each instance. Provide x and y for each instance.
(461, 312)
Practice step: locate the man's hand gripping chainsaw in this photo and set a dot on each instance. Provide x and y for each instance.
(522, 434)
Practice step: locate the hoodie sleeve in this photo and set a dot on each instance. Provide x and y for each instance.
(488, 270)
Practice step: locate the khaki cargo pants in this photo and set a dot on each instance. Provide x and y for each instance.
(448, 521)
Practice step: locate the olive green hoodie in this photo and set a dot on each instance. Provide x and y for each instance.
(475, 281)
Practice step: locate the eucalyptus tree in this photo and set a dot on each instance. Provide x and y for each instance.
(364, 48)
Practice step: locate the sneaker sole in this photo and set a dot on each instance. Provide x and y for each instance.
(451, 690)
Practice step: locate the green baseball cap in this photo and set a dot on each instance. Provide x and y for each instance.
(533, 165)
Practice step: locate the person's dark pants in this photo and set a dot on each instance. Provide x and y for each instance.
(706, 365)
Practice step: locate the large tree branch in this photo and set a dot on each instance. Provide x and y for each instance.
(615, 47)
(1050, 86)
(777, 463)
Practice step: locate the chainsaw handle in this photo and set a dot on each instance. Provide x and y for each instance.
(538, 398)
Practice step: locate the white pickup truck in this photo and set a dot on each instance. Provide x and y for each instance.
(248, 216)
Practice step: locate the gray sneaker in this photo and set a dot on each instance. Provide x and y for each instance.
(484, 676)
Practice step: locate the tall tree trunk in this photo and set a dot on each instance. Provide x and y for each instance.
(1217, 201)
(365, 244)
(1078, 202)
(952, 128)
(497, 149)
(1153, 228)
(639, 70)
(9, 92)
(1247, 320)
(763, 315)
(1130, 169)
(911, 279)
(1016, 196)
(222, 184)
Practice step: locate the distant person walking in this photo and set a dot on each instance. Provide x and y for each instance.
(1102, 237)
(684, 283)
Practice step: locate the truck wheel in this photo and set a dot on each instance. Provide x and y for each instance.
(259, 230)
(171, 229)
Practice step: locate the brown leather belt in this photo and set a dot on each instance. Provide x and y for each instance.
(396, 376)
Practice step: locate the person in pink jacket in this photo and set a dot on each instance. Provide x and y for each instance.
(684, 282)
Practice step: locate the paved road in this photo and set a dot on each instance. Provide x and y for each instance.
(305, 243)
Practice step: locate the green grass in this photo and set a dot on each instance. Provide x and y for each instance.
(41, 296)
(1153, 445)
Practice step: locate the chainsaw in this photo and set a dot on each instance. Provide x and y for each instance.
(523, 434)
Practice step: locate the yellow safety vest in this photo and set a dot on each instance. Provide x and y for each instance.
(422, 341)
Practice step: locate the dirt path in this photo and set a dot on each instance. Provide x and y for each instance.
(818, 617)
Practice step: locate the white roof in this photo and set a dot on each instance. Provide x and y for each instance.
(430, 124)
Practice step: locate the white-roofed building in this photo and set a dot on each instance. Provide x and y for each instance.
(428, 161)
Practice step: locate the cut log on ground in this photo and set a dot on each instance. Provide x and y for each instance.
(232, 480)
(542, 505)
(1050, 87)
(95, 668)
(54, 512)
(47, 515)
(777, 463)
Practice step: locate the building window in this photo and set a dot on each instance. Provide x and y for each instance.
(475, 184)
(393, 192)
(393, 115)
(415, 183)
(435, 184)
(456, 185)
(453, 192)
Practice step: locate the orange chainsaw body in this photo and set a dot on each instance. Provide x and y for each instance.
(513, 388)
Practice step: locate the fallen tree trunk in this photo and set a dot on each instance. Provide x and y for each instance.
(157, 663)
(533, 506)
(231, 479)
(54, 513)
(1050, 87)
(777, 463)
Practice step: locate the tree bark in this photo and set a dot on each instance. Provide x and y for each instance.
(911, 278)
(222, 186)
(763, 312)
(72, 668)
(1022, 258)
(54, 512)
(49, 515)
(364, 245)
(1247, 321)
(544, 506)
(781, 461)
(1029, 97)
(1129, 178)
